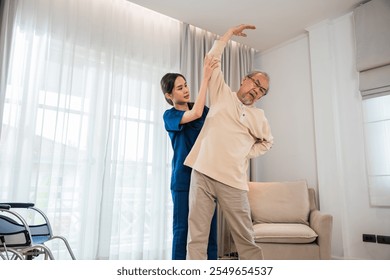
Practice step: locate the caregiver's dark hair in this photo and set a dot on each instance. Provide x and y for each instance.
(168, 82)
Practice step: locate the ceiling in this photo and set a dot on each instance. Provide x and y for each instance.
(276, 21)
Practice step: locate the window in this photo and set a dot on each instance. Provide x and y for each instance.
(377, 134)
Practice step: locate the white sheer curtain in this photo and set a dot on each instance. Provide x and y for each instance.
(82, 132)
(7, 13)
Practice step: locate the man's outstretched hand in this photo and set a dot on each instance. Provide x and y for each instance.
(238, 30)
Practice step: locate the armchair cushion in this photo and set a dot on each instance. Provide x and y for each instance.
(283, 233)
(279, 202)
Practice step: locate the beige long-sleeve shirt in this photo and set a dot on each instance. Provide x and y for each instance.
(230, 135)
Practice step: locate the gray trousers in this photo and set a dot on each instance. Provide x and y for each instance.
(204, 192)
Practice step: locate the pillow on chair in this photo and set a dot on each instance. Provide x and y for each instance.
(279, 202)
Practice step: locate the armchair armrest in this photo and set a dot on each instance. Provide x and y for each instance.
(322, 224)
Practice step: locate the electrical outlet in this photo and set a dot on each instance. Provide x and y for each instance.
(369, 238)
(383, 239)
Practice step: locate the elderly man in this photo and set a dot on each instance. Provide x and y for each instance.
(234, 131)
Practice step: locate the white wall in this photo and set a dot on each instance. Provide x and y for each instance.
(314, 108)
(288, 107)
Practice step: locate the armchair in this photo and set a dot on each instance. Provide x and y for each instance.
(287, 222)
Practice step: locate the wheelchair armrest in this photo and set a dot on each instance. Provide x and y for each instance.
(20, 204)
(5, 206)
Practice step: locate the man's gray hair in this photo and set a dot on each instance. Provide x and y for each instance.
(255, 72)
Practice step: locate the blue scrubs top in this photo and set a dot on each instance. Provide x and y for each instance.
(182, 137)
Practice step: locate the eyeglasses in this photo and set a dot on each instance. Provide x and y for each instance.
(262, 90)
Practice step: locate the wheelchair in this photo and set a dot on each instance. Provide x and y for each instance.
(22, 241)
